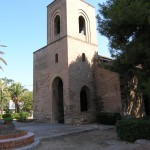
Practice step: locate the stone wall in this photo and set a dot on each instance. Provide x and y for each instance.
(44, 73)
(108, 88)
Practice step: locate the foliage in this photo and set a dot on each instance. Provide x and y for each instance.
(6, 115)
(7, 118)
(15, 115)
(1, 59)
(0, 116)
(16, 90)
(126, 24)
(7, 81)
(133, 129)
(108, 118)
(22, 116)
(27, 99)
(4, 96)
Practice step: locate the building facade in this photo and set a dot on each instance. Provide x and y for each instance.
(66, 81)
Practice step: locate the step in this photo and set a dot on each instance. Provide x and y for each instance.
(8, 144)
(13, 135)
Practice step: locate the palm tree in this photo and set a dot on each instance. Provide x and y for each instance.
(3, 96)
(16, 90)
(1, 59)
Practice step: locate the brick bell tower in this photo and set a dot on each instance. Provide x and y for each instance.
(63, 87)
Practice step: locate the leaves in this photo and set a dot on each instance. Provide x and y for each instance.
(1, 59)
(16, 90)
(4, 96)
(123, 22)
(126, 23)
(27, 99)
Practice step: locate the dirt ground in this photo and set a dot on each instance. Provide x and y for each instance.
(94, 140)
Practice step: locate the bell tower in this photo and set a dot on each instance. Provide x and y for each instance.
(63, 88)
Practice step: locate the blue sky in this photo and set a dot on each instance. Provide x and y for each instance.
(23, 25)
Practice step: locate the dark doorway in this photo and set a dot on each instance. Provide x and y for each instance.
(58, 105)
(83, 100)
(60, 102)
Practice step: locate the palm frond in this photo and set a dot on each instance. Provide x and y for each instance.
(1, 59)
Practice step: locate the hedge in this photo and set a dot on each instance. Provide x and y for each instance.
(7, 118)
(22, 116)
(108, 118)
(15, 115)
(133, 129)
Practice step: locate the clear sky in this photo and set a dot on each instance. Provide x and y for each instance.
(23, 25)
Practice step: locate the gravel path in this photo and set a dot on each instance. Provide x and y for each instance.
(84, 137)
(94, 140)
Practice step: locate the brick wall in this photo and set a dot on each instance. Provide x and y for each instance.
(108, 88)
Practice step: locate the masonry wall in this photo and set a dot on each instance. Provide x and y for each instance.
(44, 73)
(108, 88)
(80, 73)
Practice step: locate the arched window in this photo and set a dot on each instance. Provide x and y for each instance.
(82, 25)
(83, 99)
(57, 25)
(56, 58)
(83, 57)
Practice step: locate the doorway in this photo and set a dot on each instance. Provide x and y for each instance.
(58, 105)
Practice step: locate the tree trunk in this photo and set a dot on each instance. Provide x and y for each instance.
(17, 109)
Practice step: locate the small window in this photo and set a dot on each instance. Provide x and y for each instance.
(82, 25)
(83, 57)
(56, 58)
(57, 25)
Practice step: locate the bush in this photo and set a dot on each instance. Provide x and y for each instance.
(0, 116)
(133, 129)
(7, 118)
(14, 115)
(6, 115)
(108, 118)
(22, 116)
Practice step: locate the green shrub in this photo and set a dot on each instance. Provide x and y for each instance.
(6, 115)
(108, 118)
(7, 118)
(0, 116)
(14, 115)
(22, 116)
(133, 129)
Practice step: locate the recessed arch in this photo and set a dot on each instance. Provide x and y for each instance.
(57, 25)
(83, 57)
(56, 58)
(82, 13)
(57, 100)
(82, 26)
(84, 99)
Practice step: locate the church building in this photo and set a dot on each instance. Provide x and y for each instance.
(68, 82)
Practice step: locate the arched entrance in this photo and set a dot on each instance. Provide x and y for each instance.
(58, 106)
(84, 99)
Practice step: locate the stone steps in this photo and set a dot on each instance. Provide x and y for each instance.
(13, 135)
(11, 143)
